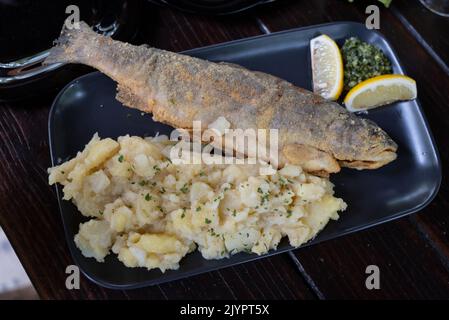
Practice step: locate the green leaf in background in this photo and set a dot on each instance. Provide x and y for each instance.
(386, 3)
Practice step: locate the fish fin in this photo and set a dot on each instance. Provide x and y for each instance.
(126, 96)
(310, 159)
(71, 44)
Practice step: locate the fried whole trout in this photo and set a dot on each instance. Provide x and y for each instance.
(319, 135)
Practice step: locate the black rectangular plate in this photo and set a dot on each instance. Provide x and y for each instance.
(87, 105)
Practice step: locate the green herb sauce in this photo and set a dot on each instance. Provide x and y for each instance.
(362, 61)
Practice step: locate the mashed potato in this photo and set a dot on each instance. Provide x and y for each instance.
(151, 212)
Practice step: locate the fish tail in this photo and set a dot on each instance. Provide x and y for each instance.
(73, 45)
(120, 61)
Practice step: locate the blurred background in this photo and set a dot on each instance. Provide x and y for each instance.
(14, 282)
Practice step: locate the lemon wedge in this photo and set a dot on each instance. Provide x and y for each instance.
(380, 90)
(327, 67)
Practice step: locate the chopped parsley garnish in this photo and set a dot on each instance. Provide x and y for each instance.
(289, 213)
(264, 198)
(148, 197)
(282, 181)
(121, 158)
(185, 188)
(207, 221)
(198, 209)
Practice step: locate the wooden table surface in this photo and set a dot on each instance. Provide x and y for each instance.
(412, 253)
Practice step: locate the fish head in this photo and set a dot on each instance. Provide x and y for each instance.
(373, 148)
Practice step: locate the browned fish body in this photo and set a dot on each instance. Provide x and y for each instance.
(319, 135)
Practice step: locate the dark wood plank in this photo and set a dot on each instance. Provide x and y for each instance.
(271, 278)
(177, 31)
(409, 268)
(28, 207)
(430, 29)
(427, 230)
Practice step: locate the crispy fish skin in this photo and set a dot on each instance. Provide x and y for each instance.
(178, 89)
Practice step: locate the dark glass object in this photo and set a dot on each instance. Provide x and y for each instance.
(439, 7)
(29, 27)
